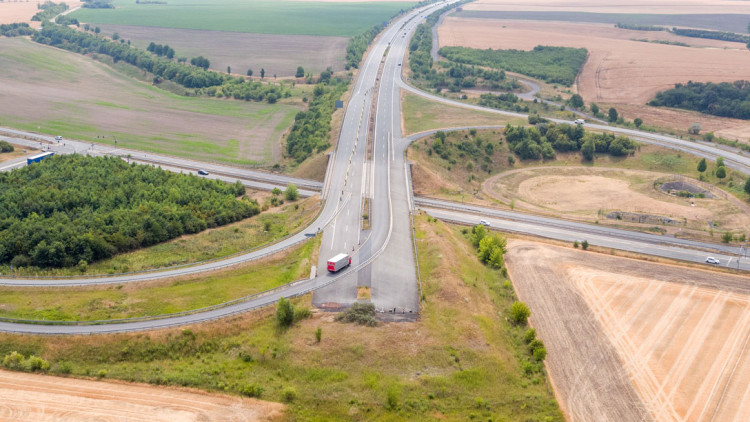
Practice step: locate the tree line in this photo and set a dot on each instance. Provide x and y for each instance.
(98, 4)
(694, 33)
(725, 99)
(552, 64)
(71, 209)
(48, 10)
(16, 29)
(166, 51)
(311, 129)
(544, 139)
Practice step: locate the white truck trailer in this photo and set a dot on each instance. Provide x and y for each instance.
(338, 262)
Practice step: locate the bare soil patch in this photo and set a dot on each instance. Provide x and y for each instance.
(615, 325)
(620, 71)
(616, 6)
(277, 54)
(46, 398)
(590, 193)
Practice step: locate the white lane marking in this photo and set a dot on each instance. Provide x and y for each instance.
(346, 229)
(333, 233)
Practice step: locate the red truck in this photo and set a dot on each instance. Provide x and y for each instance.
(338, 262)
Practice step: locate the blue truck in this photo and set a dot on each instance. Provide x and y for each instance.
(39, 157)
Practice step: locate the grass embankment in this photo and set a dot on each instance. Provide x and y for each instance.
(214, 243)
(265, 17)
(128, 301)
(457, 176)
(421, 114)
(461, 361)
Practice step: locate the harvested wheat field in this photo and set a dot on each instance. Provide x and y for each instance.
(620, 71)
(32, 397)
(614, 6)
(17, 11)
(633, 340)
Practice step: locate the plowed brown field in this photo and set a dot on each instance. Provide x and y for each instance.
(619, 71)
(675, 337)
(32, 397)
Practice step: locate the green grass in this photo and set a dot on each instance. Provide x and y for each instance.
(257, 16)
(135, 301)
(421, 114)
(210, 244)
(459, 362)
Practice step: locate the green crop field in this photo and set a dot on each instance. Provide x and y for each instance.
(266, 17)
(60, 93)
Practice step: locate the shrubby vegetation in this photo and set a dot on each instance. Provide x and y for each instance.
(48, 11)
(18, 362)
(724, 99)
(508, 101)
(552, 64)
(542, 140)
(16, 29)
(358, 45)
(490, 246)
(6, 147)
(311, 130)
(637, 27)
(713, 35)
(73, 210)
(359, 313)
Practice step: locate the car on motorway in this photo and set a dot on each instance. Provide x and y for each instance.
(712, 260)
(579, 122)
(58, 138)
(203, 172)
(485, 223)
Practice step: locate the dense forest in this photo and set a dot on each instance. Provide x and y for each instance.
(70, 210)
(724, 99)
(542, 140)
(552, 64)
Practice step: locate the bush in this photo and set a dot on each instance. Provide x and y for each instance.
(585, 244)
(529, 335)
(6, 147)
(18, 362)
(721, 172)
(288, 394)
(318, 334)
(291, 193)
(392, 398)
(519, 313)
(284, 312)
(359, 313)
(251, 390)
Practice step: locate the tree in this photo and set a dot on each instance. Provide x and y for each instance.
(97, 30)
(612, 115)
(747, 186)
(576, 101)
(588, 149)
(284, 312)
(262, 73)
(249, 72)
(519, 313)
(702, 165)
(638, 122)
(229, 69)
(291, 193)
(585, 245)
(300, 72)
(594, 109)
(115, 36)
(694, 129)
(721, 172)
(720, 162)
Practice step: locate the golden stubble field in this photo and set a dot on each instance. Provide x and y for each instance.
(675, 336)
(620, 71)
(614, 6)
(12, 12)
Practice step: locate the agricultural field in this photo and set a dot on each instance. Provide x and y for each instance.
(45, 398)
(669, 7)
(652, 341)
(458, 361)
(620, 71)
(61, 93)
(337, 19)
(277, 54)
(18, 11)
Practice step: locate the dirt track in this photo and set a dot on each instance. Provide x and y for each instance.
(32, 397)
(633, 340)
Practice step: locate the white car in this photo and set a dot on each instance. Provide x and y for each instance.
(58, 138)
(484, 223)
(712, 260)
(579, 121)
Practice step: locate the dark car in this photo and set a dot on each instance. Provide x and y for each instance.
(203, 172)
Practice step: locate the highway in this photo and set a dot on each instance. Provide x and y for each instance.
(383, 256)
